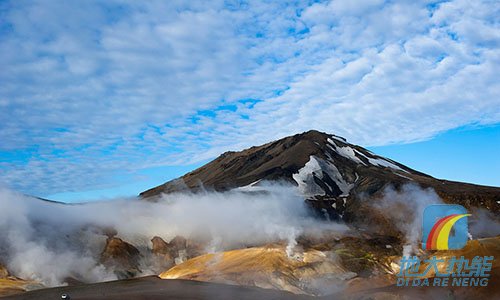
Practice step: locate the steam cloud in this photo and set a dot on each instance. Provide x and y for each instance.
(405, 208)
(50, 242)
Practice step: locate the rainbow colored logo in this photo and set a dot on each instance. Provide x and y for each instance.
(444, 227)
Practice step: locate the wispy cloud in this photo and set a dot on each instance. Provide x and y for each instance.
(94, 89)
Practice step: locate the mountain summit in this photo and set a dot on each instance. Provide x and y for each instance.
(324, 167)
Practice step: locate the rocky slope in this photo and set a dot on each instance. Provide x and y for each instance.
(350, 268)
(317, 269)
(10, 285)
(121, 256)
(324, 167)
(307, 272)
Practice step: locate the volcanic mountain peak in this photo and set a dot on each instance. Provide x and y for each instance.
(323, 166)
(319, 163)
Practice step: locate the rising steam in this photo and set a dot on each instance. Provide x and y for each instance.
(405, 208)
(50, 242)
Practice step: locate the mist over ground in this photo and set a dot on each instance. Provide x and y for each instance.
(50, 242)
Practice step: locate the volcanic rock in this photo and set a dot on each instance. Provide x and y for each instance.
(3, 272)
(267, 267)
(121, 256)
(178, 250)
(11, 285)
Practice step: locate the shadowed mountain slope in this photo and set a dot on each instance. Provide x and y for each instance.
(324, 167)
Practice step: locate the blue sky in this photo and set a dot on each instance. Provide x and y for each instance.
(466, 154)
(108, 98)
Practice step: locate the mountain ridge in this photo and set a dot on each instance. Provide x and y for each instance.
(324, 167)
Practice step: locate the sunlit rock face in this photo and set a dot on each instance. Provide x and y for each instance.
(10, 285)
(324, 268)
(177, 251)
(122, 257)
(162, 253)
(3, 272)
(307, 272)
(327, 268)
(314, 266)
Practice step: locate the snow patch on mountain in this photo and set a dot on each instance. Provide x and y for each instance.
(385, 163)
(339, 138)
(250, 187)
(350, 153)
(305, 178)
(380, 162)
(346, 152)
(319, 168)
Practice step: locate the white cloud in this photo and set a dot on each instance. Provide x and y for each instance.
(95, 89)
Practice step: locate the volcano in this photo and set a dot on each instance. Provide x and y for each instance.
(238, 223)
(332, 174)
